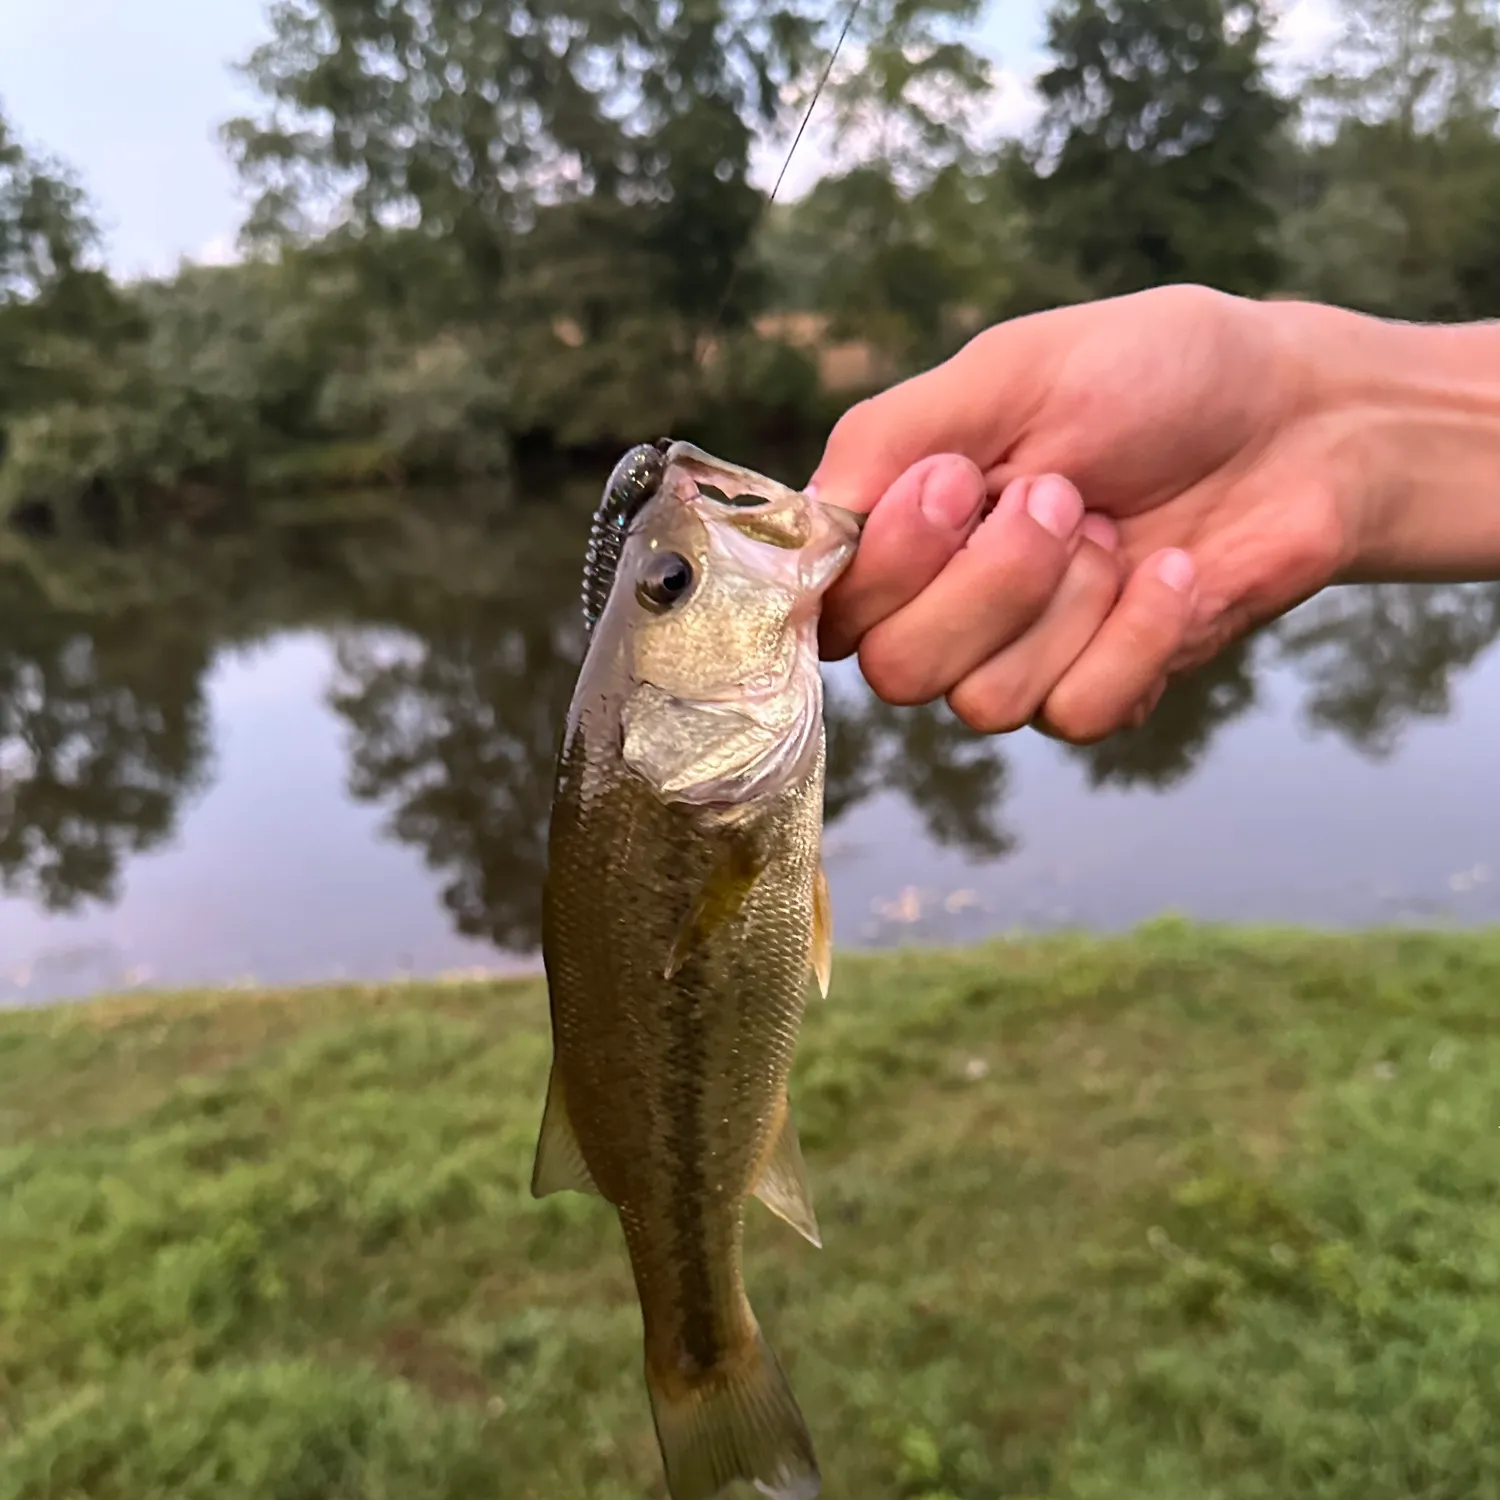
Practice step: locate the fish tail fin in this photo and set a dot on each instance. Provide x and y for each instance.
(739, 1421)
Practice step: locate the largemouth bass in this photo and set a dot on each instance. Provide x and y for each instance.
(685, 915)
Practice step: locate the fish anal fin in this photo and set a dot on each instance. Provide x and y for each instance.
(559, 1165)
(783, 1187)
(735, 1422)
(719, 899)
(822, 932)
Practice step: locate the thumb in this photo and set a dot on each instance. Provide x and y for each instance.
(975, 404)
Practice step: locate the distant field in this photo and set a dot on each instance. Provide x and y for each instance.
(1196, 1214)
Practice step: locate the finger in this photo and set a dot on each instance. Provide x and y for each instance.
(1130, 655)
(1148, 705)
(1004, 693)
(990, 593)
(921, 521)
(975, 404)
(1101, 531)
(1135, 719)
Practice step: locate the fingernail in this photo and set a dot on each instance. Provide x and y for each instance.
(1176, 570)
(951, 495)
(1055, 506)
(1101, 531)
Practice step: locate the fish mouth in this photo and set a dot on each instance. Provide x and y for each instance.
(852, 518)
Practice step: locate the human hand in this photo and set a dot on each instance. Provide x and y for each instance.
(1167, 470)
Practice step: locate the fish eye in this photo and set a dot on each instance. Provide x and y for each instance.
(665, 582)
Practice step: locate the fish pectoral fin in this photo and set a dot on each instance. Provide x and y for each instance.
(783, 1183)
(719, 899)
(822, 932)
(559, 1166)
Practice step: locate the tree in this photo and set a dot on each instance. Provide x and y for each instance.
(1157, 141)
(717, 73)
(907, 96)
(1415, 64)
(911, 231)
(452, 114)
(866, 260)
(581, 166)
(56, 305)
(1405, 162)
(45, 228)
(465, 118)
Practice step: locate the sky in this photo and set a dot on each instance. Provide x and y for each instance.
(131, 95)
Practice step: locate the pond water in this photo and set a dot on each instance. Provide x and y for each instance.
(322, 750)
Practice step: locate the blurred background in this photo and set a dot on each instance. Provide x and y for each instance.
(322, 323)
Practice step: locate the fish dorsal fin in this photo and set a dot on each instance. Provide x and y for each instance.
(822, 932)
(559, 1166)
(719, 899)
(783, 1182)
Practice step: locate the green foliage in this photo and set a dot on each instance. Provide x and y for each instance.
(1418, 64)
(436, 409)
(447, 113)
(58, 313)
(45, 228)
(1347, 248)
(479, 227)
(711, 71)
(908, 99)
(1403, 154)
(292, 1430)
(1184, 1213)
(1157, 143)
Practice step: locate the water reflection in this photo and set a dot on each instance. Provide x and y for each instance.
(457, 639)
(453, 728)
(1376, 659)
(454, 717)
(103, 736)
(1167, 747)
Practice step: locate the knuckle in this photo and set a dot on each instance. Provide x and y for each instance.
(1188, 299)
(1147, 634)
(992, 708)
(894, 671)
(1098, 573)
(1080, 718)
(1022, 568)
(855, 426)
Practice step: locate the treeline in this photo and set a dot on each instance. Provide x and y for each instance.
(489, 227)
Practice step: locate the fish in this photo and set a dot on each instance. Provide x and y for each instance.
(686, 918)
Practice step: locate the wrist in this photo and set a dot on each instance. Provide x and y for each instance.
(1409, 419)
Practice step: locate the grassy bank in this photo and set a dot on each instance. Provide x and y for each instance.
(1192, 1214)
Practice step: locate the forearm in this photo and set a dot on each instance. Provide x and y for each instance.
(1413, 420)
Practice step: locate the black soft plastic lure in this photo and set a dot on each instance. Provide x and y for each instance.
(635, 479)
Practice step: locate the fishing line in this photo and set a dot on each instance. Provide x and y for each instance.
(833, 57)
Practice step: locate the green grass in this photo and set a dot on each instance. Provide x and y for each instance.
(1192, 1214)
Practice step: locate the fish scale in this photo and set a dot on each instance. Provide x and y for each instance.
(684, 915)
